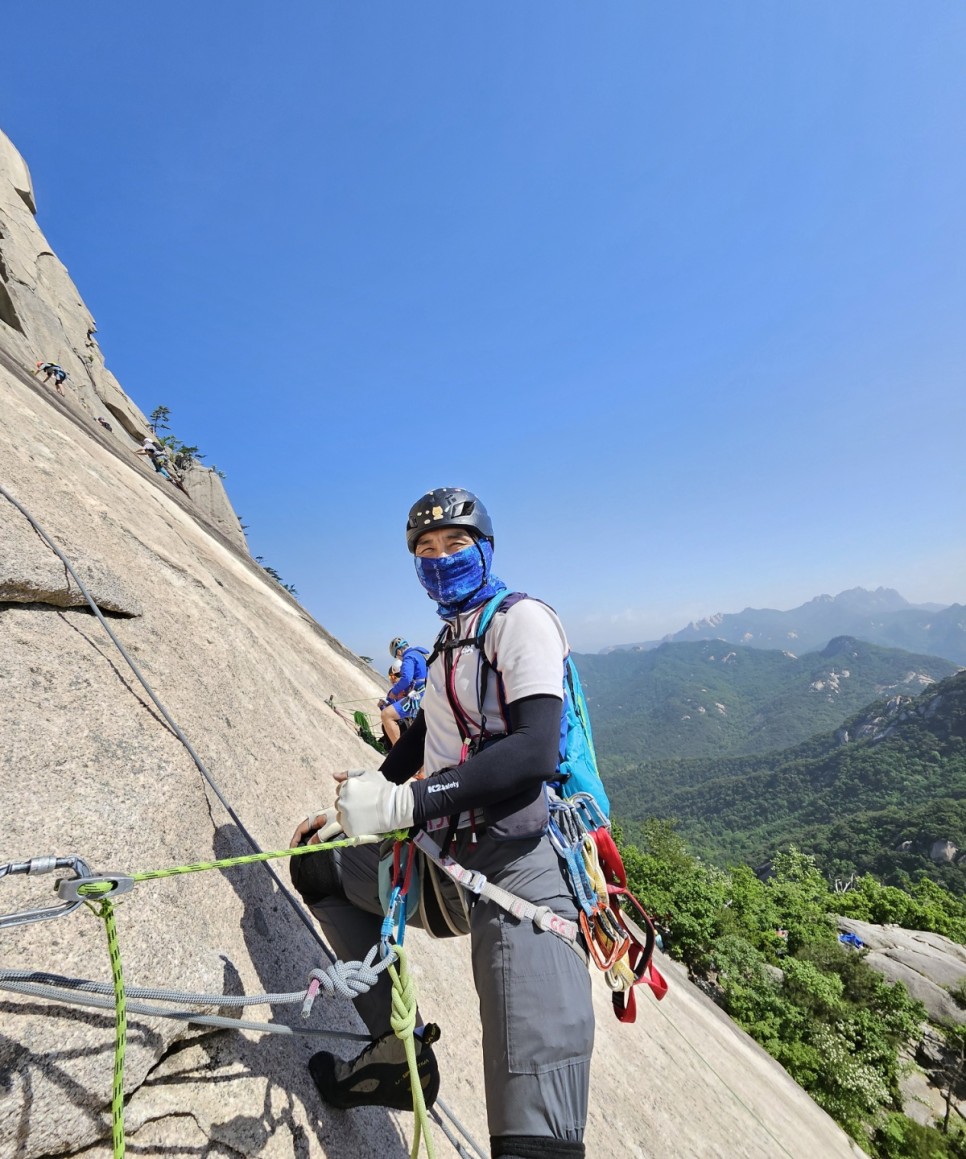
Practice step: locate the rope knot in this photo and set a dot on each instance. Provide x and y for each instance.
(345, 979)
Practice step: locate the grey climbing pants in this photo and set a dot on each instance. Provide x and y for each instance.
(534, 989)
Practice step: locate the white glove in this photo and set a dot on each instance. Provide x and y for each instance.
(367, 803)
(322, 824)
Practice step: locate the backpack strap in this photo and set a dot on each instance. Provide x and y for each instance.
(446, 645)
(501, 602)
(438, 644)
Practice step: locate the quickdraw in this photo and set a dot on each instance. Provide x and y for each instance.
(605, 939)
(37, 865)
(637, 968)
(618, 946)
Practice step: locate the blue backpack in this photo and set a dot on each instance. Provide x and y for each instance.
(577, 769)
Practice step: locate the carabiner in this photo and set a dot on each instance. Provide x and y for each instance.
(37, 865)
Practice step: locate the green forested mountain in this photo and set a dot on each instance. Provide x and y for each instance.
(881, 617)
(709, 698)
(878, 794)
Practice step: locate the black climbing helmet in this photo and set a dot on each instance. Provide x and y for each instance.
(447, 507)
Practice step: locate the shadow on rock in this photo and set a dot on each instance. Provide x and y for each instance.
(282, 954)
(19, 1065)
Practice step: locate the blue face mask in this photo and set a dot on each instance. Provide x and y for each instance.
(460, 581)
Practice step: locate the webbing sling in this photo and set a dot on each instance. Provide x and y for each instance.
(542, 916)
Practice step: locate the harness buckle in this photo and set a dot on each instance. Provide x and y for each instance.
(470, 879)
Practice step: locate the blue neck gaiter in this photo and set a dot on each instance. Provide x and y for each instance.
(461, 581)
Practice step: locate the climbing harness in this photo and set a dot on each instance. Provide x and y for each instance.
(106, 887)
(578, 826)
(471, 879)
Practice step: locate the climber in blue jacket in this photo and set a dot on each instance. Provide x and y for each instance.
(403, 699)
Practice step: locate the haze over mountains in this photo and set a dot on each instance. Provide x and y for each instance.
(885, 792)
(853, 750)
(880, 617)
(710, 698)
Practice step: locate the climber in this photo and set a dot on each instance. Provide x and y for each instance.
(104, 423)
(51, 369)
(488, 750)
(393, 674)
(401, 702)
(156, 452)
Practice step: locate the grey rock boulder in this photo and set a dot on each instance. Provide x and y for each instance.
(43, 318)
(929, 965)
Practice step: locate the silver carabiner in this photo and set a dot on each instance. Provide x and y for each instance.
(38, 865)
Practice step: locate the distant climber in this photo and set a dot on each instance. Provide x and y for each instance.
(157, 453)
(393, 674)
(105, 424)
(488, 750)
(402, 700)
(52, 370)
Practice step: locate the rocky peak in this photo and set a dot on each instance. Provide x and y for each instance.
(43, 319)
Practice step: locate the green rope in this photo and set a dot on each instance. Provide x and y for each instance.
(106, 911)
(100, 887)
(402, 1017)
(403, 1021)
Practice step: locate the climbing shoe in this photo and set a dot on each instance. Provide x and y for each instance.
(379, 1077)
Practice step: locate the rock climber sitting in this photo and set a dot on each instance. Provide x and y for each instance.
(402, 700)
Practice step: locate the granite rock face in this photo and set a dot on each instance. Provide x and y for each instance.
(929, 965)
(89, 767)
(43, 319)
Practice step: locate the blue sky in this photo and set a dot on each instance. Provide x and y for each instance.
(679, 290)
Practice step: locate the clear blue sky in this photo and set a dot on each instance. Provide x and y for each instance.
(680, 290)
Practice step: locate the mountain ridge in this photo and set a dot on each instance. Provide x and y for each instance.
(710, 698)
(881, 616)
(877, 794)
